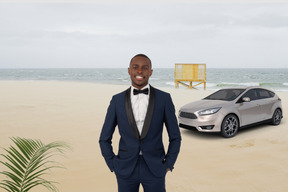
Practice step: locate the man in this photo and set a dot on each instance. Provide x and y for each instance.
(139, 112)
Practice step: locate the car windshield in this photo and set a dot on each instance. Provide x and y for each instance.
(225, 94)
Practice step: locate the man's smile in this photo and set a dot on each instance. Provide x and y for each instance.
(139, 77)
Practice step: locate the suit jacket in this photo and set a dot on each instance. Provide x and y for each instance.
(160, 111)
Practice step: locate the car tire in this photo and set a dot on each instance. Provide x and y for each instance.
(277, 116)
(229, 126)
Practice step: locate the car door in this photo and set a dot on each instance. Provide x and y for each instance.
(250, 111)
(266, 103)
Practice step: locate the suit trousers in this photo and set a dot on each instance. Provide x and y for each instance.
(141, 175)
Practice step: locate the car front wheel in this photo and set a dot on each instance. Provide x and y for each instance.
(229, 126)
(277, 116)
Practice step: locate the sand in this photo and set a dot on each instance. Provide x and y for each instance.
(255, 160)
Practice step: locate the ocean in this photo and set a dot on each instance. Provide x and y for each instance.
(274, 79)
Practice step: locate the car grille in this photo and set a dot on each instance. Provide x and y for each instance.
(188, 127)
(188, 115)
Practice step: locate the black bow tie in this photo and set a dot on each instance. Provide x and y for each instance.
(144, 91)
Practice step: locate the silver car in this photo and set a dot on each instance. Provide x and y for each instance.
(227, 110)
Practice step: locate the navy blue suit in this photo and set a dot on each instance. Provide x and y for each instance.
(160, 111)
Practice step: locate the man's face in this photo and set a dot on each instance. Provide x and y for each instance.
(140, 71)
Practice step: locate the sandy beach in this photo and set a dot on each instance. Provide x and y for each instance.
(256, 160)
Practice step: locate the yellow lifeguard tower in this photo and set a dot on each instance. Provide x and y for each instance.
(190, 73)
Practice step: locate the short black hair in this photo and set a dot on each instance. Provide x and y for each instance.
(142, 55)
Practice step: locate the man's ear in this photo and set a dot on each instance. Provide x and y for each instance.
(129, 70)
(151, 72)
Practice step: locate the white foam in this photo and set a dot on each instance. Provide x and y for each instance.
(170, 83)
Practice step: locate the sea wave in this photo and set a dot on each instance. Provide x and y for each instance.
(248, 84)
(171, 83)
(252, 84)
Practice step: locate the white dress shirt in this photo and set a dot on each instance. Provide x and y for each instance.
(139, 106)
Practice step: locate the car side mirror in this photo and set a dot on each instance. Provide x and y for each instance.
(246, 99)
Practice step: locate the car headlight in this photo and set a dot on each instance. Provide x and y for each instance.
(209, 111)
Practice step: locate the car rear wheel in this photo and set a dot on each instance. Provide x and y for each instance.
(277, 116)
(229, 126)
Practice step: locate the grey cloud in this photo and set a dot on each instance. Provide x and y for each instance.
(86, 35)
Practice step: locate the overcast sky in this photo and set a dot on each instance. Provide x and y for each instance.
(99, 34)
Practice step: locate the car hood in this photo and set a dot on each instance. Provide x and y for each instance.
(203, 104)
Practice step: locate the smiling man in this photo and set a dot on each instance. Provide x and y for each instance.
(140, 112)
(140, 70)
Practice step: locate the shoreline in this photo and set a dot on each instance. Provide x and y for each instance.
(254, 160)
(167, 87)
(274, 79)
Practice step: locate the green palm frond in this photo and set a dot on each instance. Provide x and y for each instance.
(28, 162)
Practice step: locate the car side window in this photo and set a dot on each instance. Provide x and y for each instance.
(252, 94)
(263, 94)
(272, 94)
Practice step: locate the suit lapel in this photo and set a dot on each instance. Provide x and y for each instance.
(149, 113)
(130, 115)
(148, 117)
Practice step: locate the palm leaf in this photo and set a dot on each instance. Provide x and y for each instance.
(28, 162)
